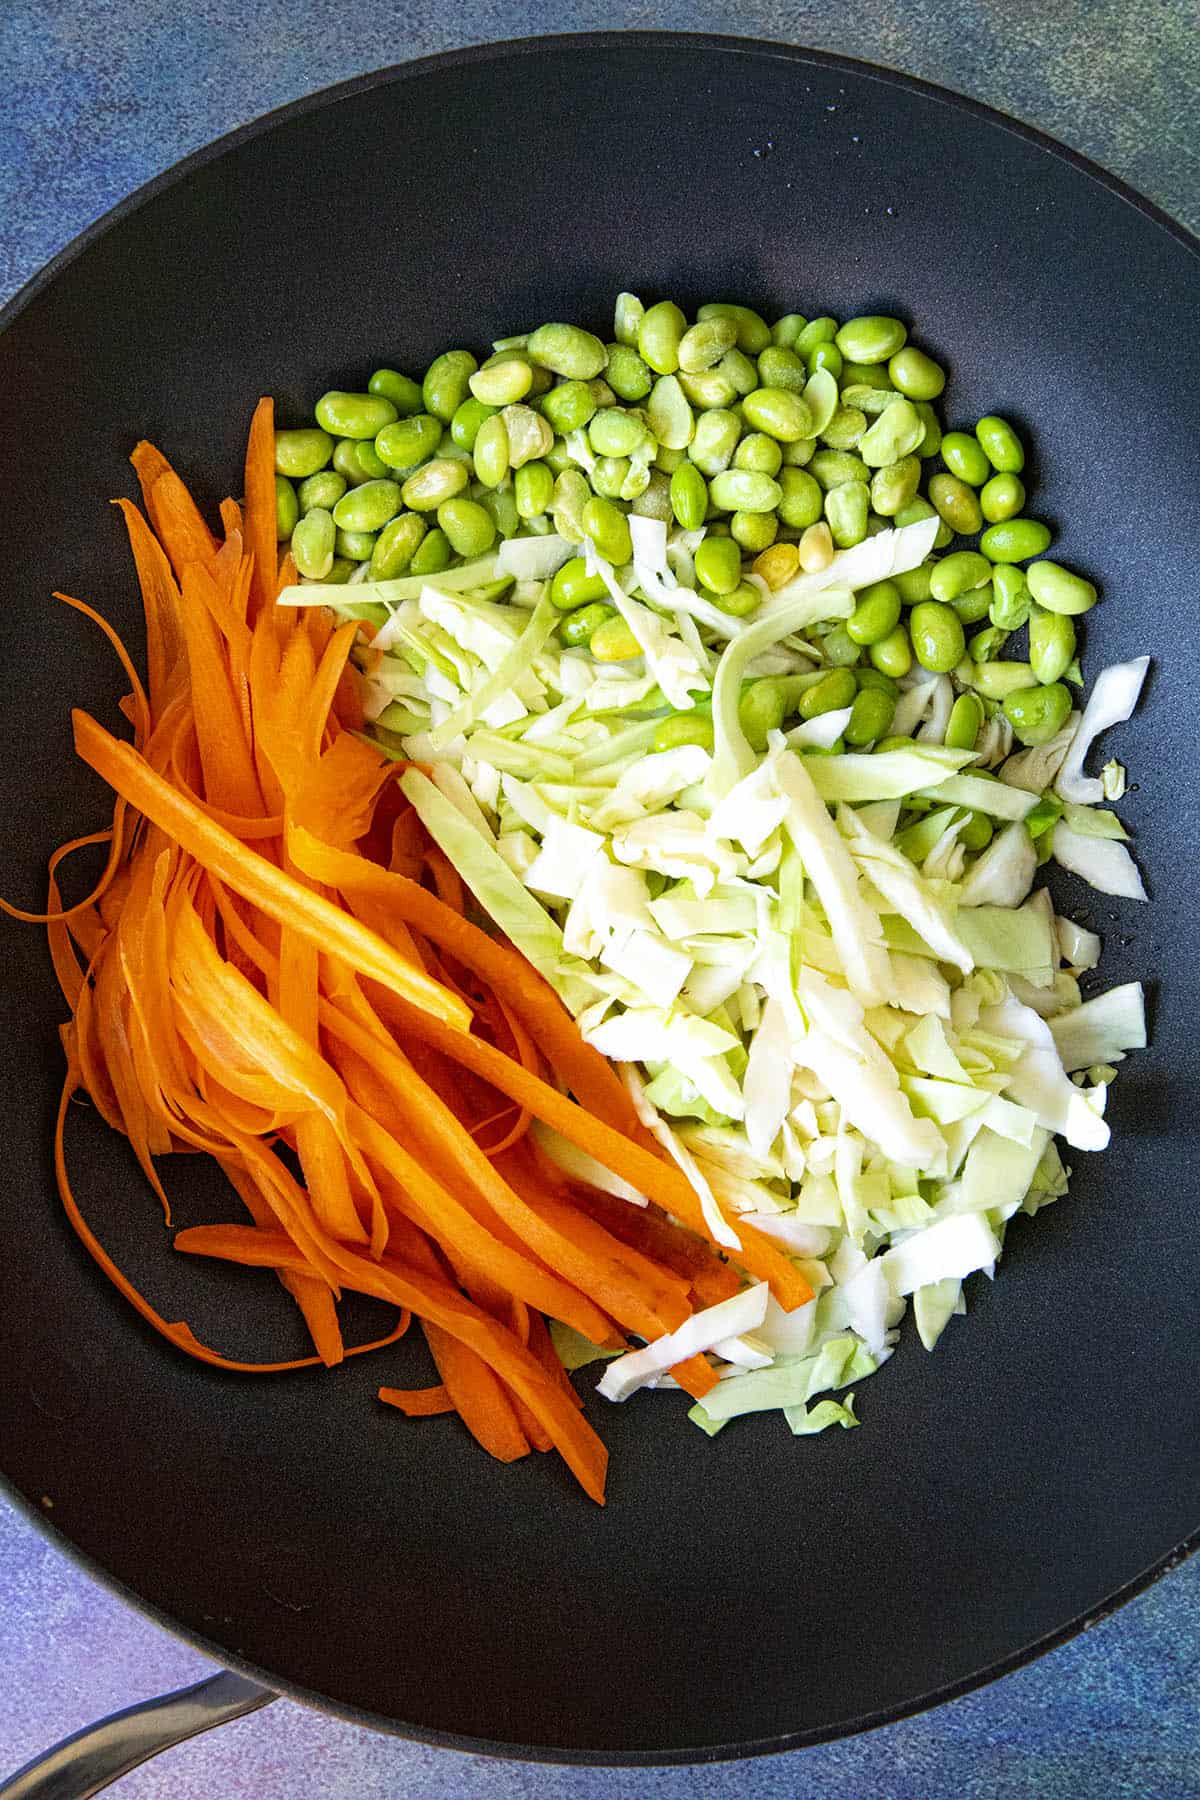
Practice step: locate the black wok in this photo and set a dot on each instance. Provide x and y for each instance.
(739, 1595)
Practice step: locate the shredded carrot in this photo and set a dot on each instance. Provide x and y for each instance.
(261, 974)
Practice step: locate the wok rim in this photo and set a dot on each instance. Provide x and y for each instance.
(59, 264)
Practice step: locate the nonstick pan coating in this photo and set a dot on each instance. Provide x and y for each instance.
(751, 1592)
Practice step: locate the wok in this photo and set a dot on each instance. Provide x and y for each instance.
(750, 1593)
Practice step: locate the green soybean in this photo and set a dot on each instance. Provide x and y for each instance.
(1015, 540)
(754, 531)
(744, 599)
(358, 546)
(368, 507)
(846, 509)
(711, 387)
(827, 357)
(613, 641)
(613, 432)
(895, 433)
(714, 441)
(1051, 644)
(325, 489)
(567, 350)
(468, 417)
(669, 415)
(1002, 497)
(800, 499)
(432, 554)
(1000, 444)
(762, 708)
(340, 571)
(786, 331)
(626, 374)
(569, 407)
(870, 717)
(741, 370)
(744, 490)
(660, 334)
(963, 456)
(830, 694)
(916, 584)
(408, 442)
(529, 435)
(301, 453)
(571, 495)
(503, 382)
(313, 544)
(799, 454)
(931, 443)
(779, 412)
(628, 314)
(844, 428)
(693, 727)
(608, 529)
(986, 646)
(822, 330)
(782, 368)
(609, 475)
(572, 586)
(839, 648)
(689, 496)
(833, 467)
(954, 575)
(533, 489)
(871, 338)
(916, 375)
(395, 547)
(655, 502)
(760, 453)
(1059, 589)
(974, 605)
(706, 343)
(1010, 598)
(287, 509)
(1038, 714)
(860, 374)
(937, 636)
(894, 486)
(965, 723)
(446, 383)
(577, 628)
(502, 507)
(369, 460)
(471, 531)
(403, 392)
(956, 504)
(876, 614)
(434, 482)
(491, 451)
(353, 415)
(753, 332)
(820, 395)
(995, 678)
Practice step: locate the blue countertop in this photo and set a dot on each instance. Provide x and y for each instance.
(96, 98)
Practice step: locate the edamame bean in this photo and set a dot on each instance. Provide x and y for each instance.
(571, 495)
(827, 357)
(693, 727)
(608, 529)
(894, 434)
(627, 318)
(815, 548)
(1051, 644)
(832, 467)
(325, 488)
(357, 546)
(799, 454)
(627, 375)
(916, 375)
(894, 486)
(965, 723)
(313, 542)
(567, 350)
(569, 407)
(436, 481)
(572, 586)
(353, 415)
(503, 382)
(996, 678)
(762, 708)
(1015, 540)
(871, 338)
(609, 476)
(745, 490)
(956, 504)
(937, 636)
(408, 442)
(753, 332)
(1000, 444)
(846, 509)
(872, 375)
(758, 452)
(1059, 589)
(780, 368)
(712, 387)
(818, 331)
(876, 614)
(870, 717)
(893, 743)
(533, 490)
(718, 565)
(955, 575)
(669, 415)
(301, 453)
(931, 443)
(655, 502)
(432, 554)
(577, 627)
(403, 392)
(287, 509)
(739, 369)
(800, 499)
(613, 641)
(868, 677)
(974, 605)
(706, 343)
(754, 531)
(464, 426)
(689, 496)
(446, 383)
(1037, 714)
(987, 646)
(470, 530)
(916, 584)
(844, 428)
(1001, 498)
(964, 457)
(369, 460)
(820, 395)
(777, 564)
(778, 412)
(786, 330)
(892, 655)
(830, 694)
(395, 546)
(976, 832)
(369, 506)
(744, 599)
(340, 571)
(529, 435)
(660, 335)
(491, 451)
(1010, 597)
(839, 648)
(714, 441)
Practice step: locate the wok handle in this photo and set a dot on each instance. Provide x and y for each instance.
(99, 1754)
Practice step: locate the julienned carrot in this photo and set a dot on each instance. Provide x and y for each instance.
(478, 1395)
(418, 1403)
(260, 532)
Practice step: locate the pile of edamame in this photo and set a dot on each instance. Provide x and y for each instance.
(787, 442)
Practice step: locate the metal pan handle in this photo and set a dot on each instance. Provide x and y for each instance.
(100, 1754)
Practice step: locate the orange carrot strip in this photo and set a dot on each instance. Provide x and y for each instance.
(647, 1229)
(695, 1376)
(418, 1403)
(261, 539)
(478, 1396)
(173, 513)
(280, 896)
(141, 706)
(229, 778)
(160, 603)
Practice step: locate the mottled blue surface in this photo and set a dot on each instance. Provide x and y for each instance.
(94, 99)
